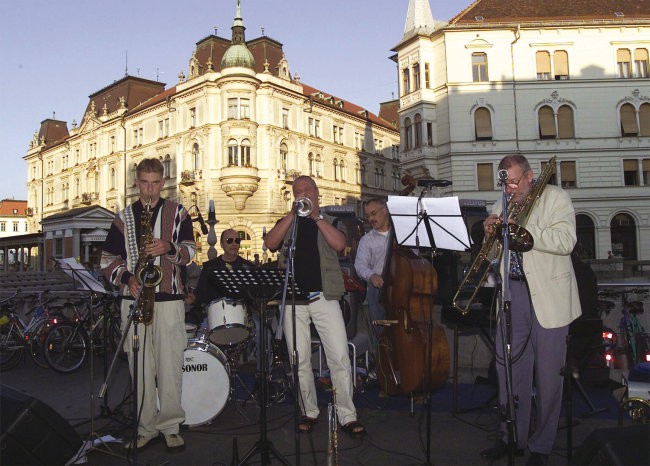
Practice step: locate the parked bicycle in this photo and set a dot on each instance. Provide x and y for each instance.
(15, 335)
(67, 344)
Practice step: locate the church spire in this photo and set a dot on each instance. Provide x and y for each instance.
(419, 19)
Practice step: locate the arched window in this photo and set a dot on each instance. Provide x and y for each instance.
(245, 153)
(335, 164)
(644, 119)
(284, 153)
(77, 190)
(167, 166)
(319, 167)
(232, 152)
(418, 130)
(623, 234)
(196, 159)
(565, 128)
(134, 175)
(357, 173)
(629, 125)
(586, 233)
(408, 142)
(310, 159)
(482, 124)
(546, 122)
(343, 170)
(113, 178)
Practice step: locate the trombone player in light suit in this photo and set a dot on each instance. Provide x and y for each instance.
(166, 242)
(544, 301)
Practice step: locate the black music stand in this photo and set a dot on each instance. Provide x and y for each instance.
(260, 286)
(443, 230)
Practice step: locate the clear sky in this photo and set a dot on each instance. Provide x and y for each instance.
(54, 54)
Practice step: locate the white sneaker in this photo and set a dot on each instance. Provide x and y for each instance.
(174, 442)
(140, 442)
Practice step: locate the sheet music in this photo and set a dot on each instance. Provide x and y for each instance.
(80, 274)
(446, 221)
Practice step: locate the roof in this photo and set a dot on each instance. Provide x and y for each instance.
(7, 207)
(535, 11)
(78, 212)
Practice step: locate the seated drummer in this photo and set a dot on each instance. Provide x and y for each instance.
(206, 291)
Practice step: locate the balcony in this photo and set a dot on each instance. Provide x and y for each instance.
(29, 212)
(88, 198)
(189, 177)
(239, 183)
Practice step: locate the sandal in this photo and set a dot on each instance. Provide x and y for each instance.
(354, 429)
(306, 424)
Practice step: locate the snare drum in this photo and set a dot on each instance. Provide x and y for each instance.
(228, 323)
(206, 382)
(190, 330)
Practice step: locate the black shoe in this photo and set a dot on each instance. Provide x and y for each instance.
(537, 459)
(499, 450)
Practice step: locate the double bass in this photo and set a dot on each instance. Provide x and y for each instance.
(413, 353)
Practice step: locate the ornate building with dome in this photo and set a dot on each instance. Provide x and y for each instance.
(233, 132)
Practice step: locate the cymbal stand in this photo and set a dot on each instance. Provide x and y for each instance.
(232, 355)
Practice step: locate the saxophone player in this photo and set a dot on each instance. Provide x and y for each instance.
(544, 301)
(170, 247)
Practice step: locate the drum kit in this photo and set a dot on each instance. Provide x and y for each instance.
(211, 358)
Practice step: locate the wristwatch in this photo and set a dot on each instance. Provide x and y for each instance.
(319, 218)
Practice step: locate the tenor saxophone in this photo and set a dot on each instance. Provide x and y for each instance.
(148, 274)
(519, 239)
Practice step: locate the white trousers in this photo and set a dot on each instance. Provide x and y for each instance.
(328, 320)
(160, 367)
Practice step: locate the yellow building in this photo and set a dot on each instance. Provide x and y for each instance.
(236, 130)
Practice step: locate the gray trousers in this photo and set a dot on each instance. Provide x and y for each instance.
(538, 356)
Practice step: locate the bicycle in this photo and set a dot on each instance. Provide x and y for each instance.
(15, 335)
(67, 344)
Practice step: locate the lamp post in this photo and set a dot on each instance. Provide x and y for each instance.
(212, 235)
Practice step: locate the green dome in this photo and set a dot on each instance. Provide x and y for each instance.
(238, 55)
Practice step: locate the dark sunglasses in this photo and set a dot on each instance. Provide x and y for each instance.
(230, 240)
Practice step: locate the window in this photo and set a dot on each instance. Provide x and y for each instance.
(238, 108)
(357, 173)
(482, 124)
(245, 153)
(192, 117)
(543, 60)
(418, 130)
(135, 138)
(343, 171)
(66, 191)
(232, 109)
(15, 226)
(408, 141)
(546, 123)
(285, 118)
(568, 174)
(382, 177)
(319, 167)
(358, 140)
(335, 164)
(406, 81)
(629, 125)
(232, 152)
(3, 226)
(314, 127)
(484, 177)
(284, 152)
(196, 157)
(163, 128)
(113, 178)
(565, 122)
(644, 119)
(111, 145)
(245, 109)
(641, 63)
(416, 76)
(560, 65)
(377, 177)
(623, 63)
(630, 172)
(167, 166)
(337, 132)
(646, 172)
(430, 134)
(362, 171)
(310, 158)
(427, 79)
(479, 67)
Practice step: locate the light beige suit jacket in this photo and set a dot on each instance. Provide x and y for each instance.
(549, 272)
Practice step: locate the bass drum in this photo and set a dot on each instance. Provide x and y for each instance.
(206, 382)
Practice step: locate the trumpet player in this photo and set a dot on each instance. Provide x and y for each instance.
(170, 247)
(317, 270)
(544, 301)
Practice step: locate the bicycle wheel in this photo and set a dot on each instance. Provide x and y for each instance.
(66, 347)
(37, 342)
(11, 347)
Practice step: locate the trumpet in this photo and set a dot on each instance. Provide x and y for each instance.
(303, 207)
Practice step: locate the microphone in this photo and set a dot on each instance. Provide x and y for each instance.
(433, 183)
(503, 175)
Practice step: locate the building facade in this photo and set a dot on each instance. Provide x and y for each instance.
(234, 131)
(13, 222)
(556, 78)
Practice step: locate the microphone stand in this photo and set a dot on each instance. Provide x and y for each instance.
(506, 329)
(134, 314)
(289, 272)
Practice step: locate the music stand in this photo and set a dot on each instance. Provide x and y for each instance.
(260, 286)
(84, 281)
(416, 224)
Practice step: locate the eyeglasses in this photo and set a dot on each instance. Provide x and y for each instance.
(230, 240)
(515, 183)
